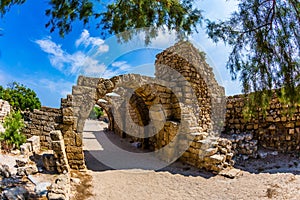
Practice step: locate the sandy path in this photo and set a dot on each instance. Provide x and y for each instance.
(163, 185)
(182, 183)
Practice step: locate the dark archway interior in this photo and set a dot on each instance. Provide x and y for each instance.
(151, 98)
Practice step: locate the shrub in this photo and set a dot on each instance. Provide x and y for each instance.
(12, 137)
(96, 113)
(20, 97)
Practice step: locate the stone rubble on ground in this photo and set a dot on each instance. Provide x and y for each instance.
(16, 193)
(60, 190)
(4, 171)
(231, 173)
(19, 168)
(244, 146)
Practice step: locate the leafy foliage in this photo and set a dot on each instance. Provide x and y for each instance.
(96, 113)
(13, 123)
(120, 15)
(265, 38)
(20, 97)
(125, 15)
(5, 5)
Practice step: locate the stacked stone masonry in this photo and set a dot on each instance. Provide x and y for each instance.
(177, 107)
(59, 149)
(182, 105)
(4, 109)
(277, 130)
(69, 128)
(41, 123)
(244, 146)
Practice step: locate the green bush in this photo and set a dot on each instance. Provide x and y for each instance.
(12, 137)
(20, 97)
(96, 113)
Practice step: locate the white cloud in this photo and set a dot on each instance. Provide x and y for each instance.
(76, 63)
(122, 65)
(86, 40)
(56, 55)
(60, 86)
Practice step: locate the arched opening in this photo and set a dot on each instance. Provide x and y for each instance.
(168, 114)
(152, 108)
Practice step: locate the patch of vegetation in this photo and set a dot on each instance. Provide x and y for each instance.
(96, 113)
(12, 137)
(20, 97)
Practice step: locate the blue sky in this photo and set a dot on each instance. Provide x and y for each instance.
(50, 65)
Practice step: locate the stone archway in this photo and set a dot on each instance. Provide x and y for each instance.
(183, 101)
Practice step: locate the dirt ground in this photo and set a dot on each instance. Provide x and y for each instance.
(274, 177)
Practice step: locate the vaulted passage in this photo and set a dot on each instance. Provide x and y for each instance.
(176, 115)
(171, 114)
(179, 114)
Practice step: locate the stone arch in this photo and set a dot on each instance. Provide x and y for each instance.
(190, 63)
(193, 94)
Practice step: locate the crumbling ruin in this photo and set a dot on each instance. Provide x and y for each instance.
(178, 114)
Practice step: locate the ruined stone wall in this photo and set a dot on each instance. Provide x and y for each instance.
(4, 109)
(202, 105)
(191, 67)
(41, 123)
(72, 139)
(277, 130)
(149, 104)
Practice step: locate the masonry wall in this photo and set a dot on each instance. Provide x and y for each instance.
(41, 123)
(185, 105)
(277, 130)
(4, 109)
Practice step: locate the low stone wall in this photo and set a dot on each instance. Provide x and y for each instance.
(41, 123)
(244, 146)
(277, 130)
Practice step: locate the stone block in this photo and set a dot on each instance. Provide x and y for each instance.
(35, 143)
(26, 149)
(56, 135)
(210, 151)
(216, 159)
(69, 120)
(48, 162)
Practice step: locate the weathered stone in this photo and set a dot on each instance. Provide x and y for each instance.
(210, 151)
(16, 193)
(41, 188)
(216, 159)
(54, 196)
(49, 162)
(4, 171)
(230, 173)
(56, 135)
(27, 170)
(69, 120)
(35, 143)
(21, 163)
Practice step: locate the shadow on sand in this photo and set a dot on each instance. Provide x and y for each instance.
(281, 163)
